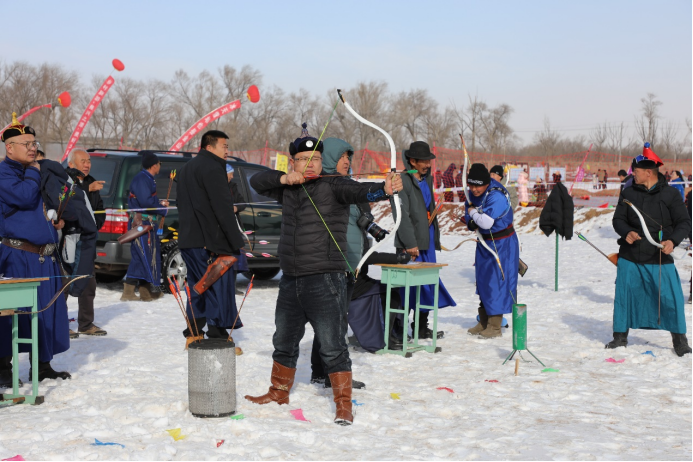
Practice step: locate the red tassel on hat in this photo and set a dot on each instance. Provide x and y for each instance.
(647, 152)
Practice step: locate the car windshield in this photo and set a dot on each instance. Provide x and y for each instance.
(104, 169)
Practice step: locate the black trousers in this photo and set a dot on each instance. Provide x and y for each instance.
(85, 316)
(316, 364)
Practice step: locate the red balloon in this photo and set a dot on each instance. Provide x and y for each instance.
(65, 99)
(118, 64)
(253, 94)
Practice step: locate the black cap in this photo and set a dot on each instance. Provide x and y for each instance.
(479, 175)
(16, 129)
(419, 150)
(305, 142)
(498, 170)
(149, 160)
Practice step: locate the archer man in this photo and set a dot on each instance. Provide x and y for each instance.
(651, 220)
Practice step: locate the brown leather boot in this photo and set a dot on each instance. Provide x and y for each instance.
(341, 389)
(154, 294)
(481, 325)
(493, 329)
(282, 380)
(129, 293)
(145, 294)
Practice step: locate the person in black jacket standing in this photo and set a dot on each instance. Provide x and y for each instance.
(648, 287)
(315, 217)
(81, 161)
(241, 264)
(208, 228)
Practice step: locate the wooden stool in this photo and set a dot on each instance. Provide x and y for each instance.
(21, 293)
(406, 276)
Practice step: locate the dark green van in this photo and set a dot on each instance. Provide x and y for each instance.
(261, 218)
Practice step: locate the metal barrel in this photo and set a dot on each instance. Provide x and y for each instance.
(519, 327)
(212, 378)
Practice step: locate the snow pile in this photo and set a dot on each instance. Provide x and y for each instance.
(130, 387)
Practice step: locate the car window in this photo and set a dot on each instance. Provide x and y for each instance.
(164, 178)
(254, 195)
(103, 169)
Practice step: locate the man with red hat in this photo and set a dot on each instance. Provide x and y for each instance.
(651, 220)
(28, 250)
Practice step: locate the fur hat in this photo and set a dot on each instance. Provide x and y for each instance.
(16, 129)
(305, 142)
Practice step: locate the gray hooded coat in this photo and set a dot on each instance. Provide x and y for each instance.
(357, 241)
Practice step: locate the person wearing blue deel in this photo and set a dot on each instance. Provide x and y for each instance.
(29, 250)
(145, 265)
(490, 212)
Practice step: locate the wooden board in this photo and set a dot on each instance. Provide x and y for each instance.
(422, 265)
(20, 280)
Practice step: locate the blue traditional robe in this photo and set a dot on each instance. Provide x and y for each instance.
(497, 294)
(145, 251)
(22, 216)
(642, 303)
(429, 256)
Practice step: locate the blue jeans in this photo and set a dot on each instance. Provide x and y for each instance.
(319, 299)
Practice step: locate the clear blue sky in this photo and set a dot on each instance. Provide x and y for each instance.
(579, 63)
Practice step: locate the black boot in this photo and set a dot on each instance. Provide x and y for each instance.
(680, 344)
(217, 332)
(354, 384)
(424, 331)
(620, 340)
(200, 323)
(6, 372)
(46, 372)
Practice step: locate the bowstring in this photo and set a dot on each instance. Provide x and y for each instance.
(311, 199)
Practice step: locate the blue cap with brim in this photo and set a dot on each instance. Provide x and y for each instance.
(229, 168)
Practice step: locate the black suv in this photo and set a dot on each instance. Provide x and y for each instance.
(117, 168)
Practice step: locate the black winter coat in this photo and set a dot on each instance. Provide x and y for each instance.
(305, 246)
(664, 205)
(94, 200)
(205, 206)
(558, 213)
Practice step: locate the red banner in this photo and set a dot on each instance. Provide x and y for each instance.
(27, 114)
(203, 122)
(88, 112)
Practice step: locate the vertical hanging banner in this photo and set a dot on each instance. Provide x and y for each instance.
(253, 95)
(91, 108)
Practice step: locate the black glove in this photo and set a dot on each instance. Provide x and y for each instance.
(472, 226)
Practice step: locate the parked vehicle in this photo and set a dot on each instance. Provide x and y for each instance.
(262, 217)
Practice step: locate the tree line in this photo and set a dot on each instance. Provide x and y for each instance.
(152, 114)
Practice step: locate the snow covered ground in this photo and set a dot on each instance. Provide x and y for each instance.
(131, 386)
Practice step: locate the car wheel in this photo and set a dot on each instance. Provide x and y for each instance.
(261, 273)
(172, 265)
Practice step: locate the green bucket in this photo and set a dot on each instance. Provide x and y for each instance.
(519, 327)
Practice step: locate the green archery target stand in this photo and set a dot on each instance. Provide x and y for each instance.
(406, 277)
(14, 294)
(520, 333)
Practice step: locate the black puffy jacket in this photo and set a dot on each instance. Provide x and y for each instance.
(305, 246)
(557, 214)
(660, 205)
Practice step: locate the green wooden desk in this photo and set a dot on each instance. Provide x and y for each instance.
(407, 276)
(21, 293)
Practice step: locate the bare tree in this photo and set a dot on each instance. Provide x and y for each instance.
(548, 139)
(647, 125)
